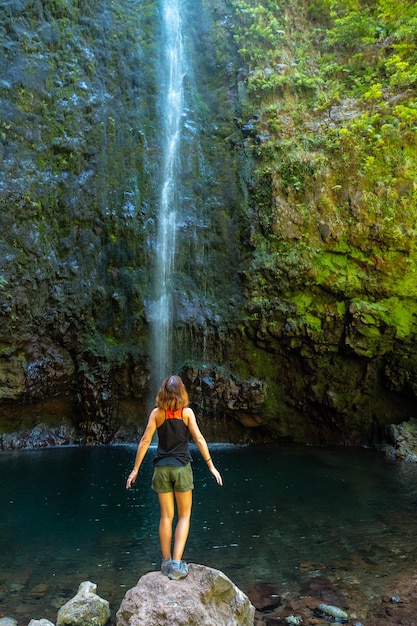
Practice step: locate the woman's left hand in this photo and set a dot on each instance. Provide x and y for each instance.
(216, 475)
(131, 478)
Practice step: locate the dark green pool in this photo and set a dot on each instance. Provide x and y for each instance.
(285, 514)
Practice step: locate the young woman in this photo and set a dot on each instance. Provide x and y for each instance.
(173, 476)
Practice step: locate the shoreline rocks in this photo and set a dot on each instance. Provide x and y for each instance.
(223, 604)
(85, 608)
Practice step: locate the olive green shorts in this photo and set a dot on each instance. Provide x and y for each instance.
(168, 478)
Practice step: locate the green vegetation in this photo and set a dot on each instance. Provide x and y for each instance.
(333, 86)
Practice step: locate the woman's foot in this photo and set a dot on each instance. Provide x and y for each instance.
(165, 566)
(176, 572)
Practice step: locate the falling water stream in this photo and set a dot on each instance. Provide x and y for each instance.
(172, 98)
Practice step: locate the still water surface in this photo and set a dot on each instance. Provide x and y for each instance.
(284, 514)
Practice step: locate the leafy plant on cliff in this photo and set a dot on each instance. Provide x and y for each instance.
(335, 96)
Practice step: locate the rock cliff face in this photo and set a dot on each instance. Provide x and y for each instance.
(80, 148)
(295, 285)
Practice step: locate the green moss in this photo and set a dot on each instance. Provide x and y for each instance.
(339, 273)
(399, 314)
(109, 352)
(406, 286)
(404, 316)
(307, 305)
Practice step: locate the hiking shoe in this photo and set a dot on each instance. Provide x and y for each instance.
(176, 573)
(165, 566)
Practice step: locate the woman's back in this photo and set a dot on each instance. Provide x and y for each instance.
(173, 438)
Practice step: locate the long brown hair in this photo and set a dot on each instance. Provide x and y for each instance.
(172, 394)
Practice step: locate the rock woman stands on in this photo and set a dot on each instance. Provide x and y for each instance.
(173, 475)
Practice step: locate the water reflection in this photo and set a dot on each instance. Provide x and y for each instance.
(283, 516)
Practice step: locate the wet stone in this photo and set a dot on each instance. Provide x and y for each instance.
(321, 587)
(264, 596)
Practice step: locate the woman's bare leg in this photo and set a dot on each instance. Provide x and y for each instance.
(166, 504)
(184, 501)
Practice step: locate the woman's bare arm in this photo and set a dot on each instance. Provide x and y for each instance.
(201, 444)
(142, 448)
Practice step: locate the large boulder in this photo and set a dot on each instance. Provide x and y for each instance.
(404, 439)
(84, 609)
(205, 598)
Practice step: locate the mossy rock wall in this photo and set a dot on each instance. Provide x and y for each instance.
(296, 262)
(80, 152)
(328, 118)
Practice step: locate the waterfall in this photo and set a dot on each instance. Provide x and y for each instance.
(172, 107)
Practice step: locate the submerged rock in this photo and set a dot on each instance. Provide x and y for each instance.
(331, 613)
(204, 598)
(85, 609)
(264, 596)
(323, 589)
